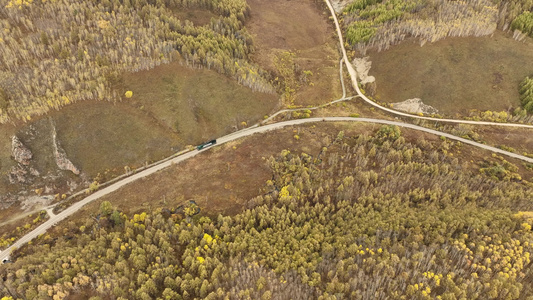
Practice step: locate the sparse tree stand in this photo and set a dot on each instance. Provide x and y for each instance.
(93, 43)
(383, 23)
(287, 80)
(106, 208)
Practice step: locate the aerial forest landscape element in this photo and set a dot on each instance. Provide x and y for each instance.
(173, 193)
(345, 224)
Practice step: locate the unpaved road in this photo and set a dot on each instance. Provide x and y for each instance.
(231, 137)
(257, 129)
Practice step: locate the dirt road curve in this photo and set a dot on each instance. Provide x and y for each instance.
(353, 76)
(237, 135)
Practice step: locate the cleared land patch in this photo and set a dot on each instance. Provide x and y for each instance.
(199, 17)
(301, 27)
(454, 75)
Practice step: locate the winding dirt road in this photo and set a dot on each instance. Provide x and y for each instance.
(259, 129)
(231, 137)
(353, 76)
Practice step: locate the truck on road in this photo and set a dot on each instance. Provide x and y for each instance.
(206, 144)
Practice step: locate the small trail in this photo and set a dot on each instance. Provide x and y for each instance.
(344, 98)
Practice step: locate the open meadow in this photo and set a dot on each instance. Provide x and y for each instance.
(455, 74)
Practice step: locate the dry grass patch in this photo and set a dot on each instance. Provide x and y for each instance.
(198, 16)
(454, 75)
(301, 27)
(196, 104)
(100, 135)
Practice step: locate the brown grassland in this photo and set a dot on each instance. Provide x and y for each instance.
(455, 75)
(309, 35)
(173, 106)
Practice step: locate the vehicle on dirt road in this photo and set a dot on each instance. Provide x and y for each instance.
(206, 144)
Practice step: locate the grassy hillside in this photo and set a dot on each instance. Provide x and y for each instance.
(185, 63)
(455, 75)
(59, 52)
(368, 217)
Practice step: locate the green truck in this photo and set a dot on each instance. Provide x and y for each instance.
(206, 144)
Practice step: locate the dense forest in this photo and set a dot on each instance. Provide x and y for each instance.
(382, 23)
(369, 217)
(56, 52)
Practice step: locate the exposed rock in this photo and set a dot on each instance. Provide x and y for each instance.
(34, 172)
(17, 174)
(339, 5)
(32, 202)
(22, 172)
(370, 88)
(6, 201)
(61, 157)
(362, 66)
(72, 185)
(414, 105)
(20, 152)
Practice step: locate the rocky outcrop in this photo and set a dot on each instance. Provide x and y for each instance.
(60, 156)
(362, 67)
(339, 5)
(17, 174)
(6, 201)
(20, 174)
(20, 152)
(414, 105)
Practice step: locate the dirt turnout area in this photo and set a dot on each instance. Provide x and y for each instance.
(455, 75)
(303, 28)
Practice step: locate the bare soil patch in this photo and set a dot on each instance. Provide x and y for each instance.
(454, 75)
(303, 28)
